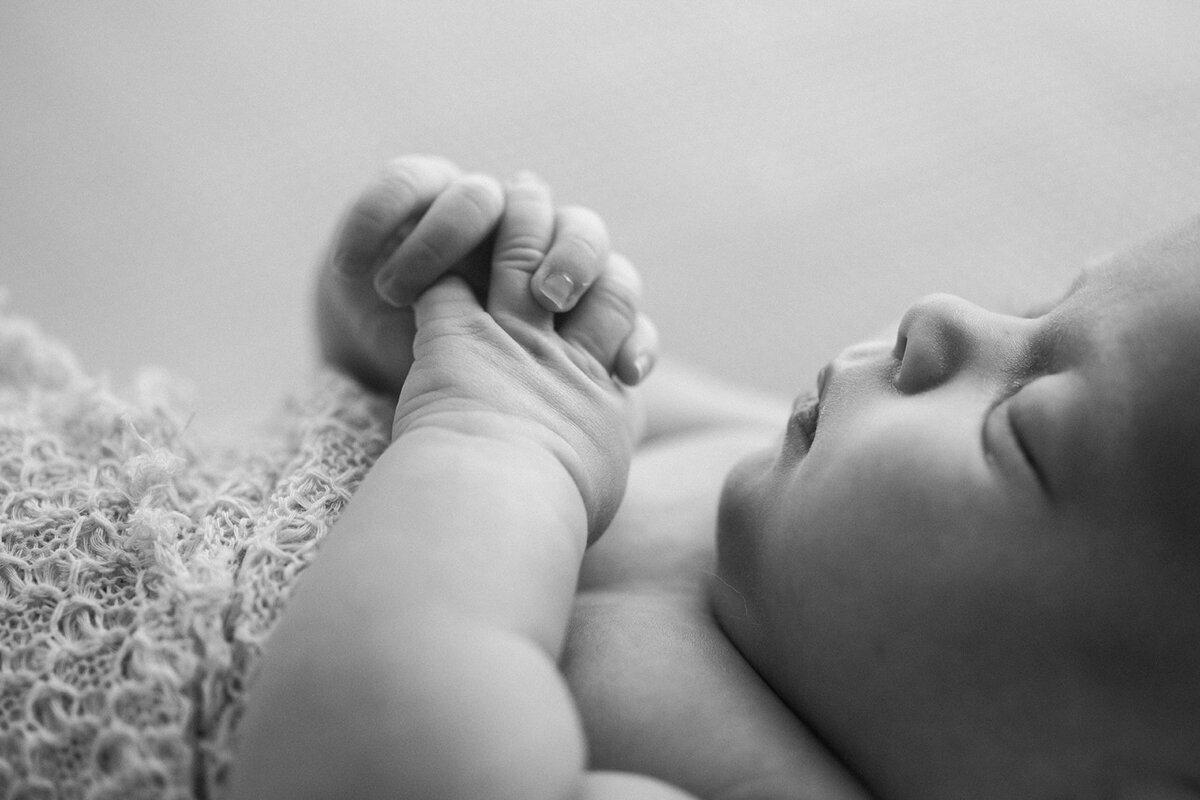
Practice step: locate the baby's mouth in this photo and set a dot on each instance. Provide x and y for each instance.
(806, 413)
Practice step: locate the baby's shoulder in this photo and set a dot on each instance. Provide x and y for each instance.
(663, 692)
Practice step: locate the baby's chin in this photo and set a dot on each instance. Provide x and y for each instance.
(740, 523)
(743, 496)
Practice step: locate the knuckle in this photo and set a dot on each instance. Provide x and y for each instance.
(529, 180)
(592, 342)
(577, 255)
(582, 241)
(619, 298)
(523, 250)
(621, 271)
(415, 179)
(401, 164)
(481, 196)
(374, 211)
(574, 256)
(401, 173)
(380, 205)
(398, 191)
(620, 291)
(584, 223)
(529, 201)
(413, 165)
(584, 217)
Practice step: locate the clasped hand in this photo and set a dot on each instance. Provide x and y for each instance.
(492, 313)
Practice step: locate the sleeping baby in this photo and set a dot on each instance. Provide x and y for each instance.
(966, 565)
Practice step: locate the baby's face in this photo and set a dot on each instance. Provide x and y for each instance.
(988, 527)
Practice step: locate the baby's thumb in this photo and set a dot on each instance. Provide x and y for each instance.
(448, 299)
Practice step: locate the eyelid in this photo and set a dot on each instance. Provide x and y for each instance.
(1026, 452)
(1002, 406)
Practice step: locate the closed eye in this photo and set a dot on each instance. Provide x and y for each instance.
(1000, 425)
(1019, 439)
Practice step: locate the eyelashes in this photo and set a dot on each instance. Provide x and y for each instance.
(1020, 438)
(1026, 452)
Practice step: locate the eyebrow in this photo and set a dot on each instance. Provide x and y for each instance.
(1043, 307)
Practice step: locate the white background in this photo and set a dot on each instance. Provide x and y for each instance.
(788, 175)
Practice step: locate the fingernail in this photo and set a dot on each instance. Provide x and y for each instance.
(388, 289)
(557, 288)
(642, 365)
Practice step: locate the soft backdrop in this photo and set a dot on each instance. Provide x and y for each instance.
(788, 175)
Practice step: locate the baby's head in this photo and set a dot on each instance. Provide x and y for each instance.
(980, 574)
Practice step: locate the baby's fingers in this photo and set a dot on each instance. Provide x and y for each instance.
(607, 316)
(575, 259)
(521, 244)
(638, 353)
(456, 223)
(387, 210)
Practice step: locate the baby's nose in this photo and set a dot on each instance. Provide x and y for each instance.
(935, 338)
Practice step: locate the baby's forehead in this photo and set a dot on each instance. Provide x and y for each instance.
(1147, 301)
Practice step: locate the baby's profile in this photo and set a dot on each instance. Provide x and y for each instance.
(966, 566)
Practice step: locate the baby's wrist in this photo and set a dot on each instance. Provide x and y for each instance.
(460, 423)
(534, 458)
(470, 436)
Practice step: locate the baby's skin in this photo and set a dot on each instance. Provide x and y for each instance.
(914, 588)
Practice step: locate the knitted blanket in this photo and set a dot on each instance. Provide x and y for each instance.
(141, 569)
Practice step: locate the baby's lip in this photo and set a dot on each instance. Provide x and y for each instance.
(802, 422)
(803, 400)
(823, 378)
(806, 410)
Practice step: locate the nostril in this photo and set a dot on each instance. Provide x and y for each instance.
(931, 340)
(926, 357)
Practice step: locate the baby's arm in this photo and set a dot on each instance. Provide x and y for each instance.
(418, 656)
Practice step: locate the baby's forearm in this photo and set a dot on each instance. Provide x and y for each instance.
(476, 525)
(427, 630)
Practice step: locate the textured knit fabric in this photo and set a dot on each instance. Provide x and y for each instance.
(141, 570)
